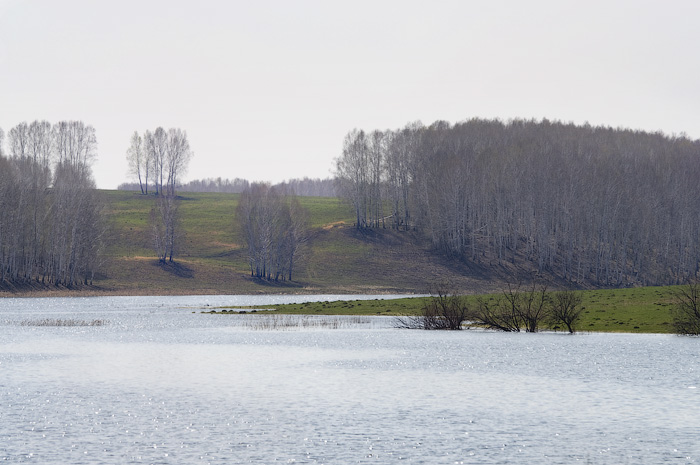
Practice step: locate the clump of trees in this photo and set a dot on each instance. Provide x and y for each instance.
(274, 227)
(592, 205)
(517, 308)
(686, 311)
(51, 221)
(159, 157)
(514, 309)
(444, 310)
(165, 223)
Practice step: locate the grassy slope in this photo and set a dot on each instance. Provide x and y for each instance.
(639, 310)
(338, 259)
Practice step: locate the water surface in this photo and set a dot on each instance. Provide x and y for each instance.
(163, 383)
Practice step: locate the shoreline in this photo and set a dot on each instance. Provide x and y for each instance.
(188, 292)
(634, 310)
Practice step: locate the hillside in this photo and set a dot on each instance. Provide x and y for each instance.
(212, 260)
(598, 206)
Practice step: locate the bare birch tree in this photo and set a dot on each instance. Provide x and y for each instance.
(165, 227)
(162, 156)
(351, 173)
(159, 157)
(178, 156)
(76, 143)
(136, 158)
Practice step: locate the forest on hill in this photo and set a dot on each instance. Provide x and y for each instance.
(478, 203)
(592, 205)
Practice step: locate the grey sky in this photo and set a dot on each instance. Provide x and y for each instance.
(266, 90)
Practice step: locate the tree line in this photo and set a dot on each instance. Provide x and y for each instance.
(51, 223)
(304, 187)
(589, 204)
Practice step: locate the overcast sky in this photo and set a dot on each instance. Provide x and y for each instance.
(266, 90)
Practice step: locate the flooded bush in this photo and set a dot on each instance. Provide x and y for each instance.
(445, 310)
(686, 309)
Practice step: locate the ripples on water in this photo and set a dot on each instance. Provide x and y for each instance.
(161, 384)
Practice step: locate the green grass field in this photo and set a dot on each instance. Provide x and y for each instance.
(637, 310)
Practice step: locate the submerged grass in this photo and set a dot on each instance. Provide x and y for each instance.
(282, 322)
(62, 322)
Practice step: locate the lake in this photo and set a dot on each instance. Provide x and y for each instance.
(160, 382)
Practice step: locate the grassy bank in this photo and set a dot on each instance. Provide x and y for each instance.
(638, 310)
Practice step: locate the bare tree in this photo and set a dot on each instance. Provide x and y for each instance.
(445, 310)
(686, 312)
(377, 143)
(497, 313)
(23, 253)
(149, 152)
(165, 227)
(18, 138)
(41, 145)
(351, 173)
(8, 189)
(178, 156)
(297, 233)
(532, 305)
(35, 170)
(76, 143)
(565, 308)
(402, 153)
(136, 158)
(160, 157)
(274, 228)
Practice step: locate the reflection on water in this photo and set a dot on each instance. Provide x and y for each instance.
(161, 384)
